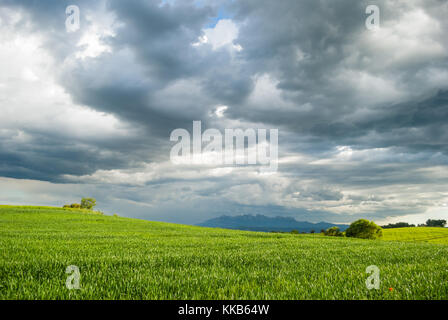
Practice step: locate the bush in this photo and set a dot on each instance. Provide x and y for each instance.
(364, 229)
(333, 232)
(88, 203)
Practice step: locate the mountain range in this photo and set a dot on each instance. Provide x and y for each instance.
(264, 223)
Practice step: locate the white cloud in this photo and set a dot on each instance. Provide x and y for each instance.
(91, 43)
(412, 37)
(223, 34)
(220, 110)
(31, 98)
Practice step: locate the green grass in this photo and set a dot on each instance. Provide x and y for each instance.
(121, 258)
(420, 234)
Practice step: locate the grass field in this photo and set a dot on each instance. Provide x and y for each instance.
(425, 234)
(121, 258)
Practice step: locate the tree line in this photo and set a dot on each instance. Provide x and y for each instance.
(429, 223)
(86, 203)
(365, 229)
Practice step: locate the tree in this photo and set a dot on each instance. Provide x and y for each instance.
(333, 232)
(398, 225)
(88, 203)
(364, 229)
(312, 231)
(436, 223)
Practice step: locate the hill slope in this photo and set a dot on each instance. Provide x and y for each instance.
(122, 258)
(417, 234)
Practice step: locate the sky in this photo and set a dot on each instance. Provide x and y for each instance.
(361, 114)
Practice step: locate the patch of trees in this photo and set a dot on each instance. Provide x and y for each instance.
(73, 206)
(429, 223)
(398, 225)
(364, 229)
(334, 232)
(435, 223)
(361, 228)
(86, 203)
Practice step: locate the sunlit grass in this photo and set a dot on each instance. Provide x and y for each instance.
(121, 258)
(418, 234)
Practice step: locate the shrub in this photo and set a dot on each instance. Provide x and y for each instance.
(73, 205)
(333, 232)
(88, 203)
(364, 229)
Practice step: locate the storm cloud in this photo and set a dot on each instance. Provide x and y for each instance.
(362, 115)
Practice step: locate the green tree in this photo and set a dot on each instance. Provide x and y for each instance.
(398, 225)
(88, 203)
(364, 229)
(333, 232)
(436, 223)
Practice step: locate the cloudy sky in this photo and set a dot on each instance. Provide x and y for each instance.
(362, 114)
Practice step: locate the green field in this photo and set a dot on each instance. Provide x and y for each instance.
(122, 258)
(425, 234)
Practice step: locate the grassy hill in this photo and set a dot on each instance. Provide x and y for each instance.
(122, 258)
(423, 234)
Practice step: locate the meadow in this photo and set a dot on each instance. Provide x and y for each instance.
(426, 234)
(123, 258)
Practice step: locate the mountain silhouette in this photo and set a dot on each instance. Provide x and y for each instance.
(264, 223)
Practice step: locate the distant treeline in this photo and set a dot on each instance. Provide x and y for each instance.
(365, 229)
(398, 225)
(429, 223)
(86, 203)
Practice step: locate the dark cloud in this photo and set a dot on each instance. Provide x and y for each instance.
(361, 111)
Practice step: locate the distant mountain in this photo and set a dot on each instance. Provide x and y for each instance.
(263, 223)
